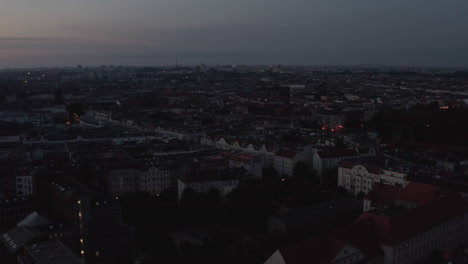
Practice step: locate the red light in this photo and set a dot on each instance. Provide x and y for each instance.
(447, 255)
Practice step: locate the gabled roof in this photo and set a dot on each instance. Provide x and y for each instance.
(34, 219)
(349, 164)
(290, 154)
(324, 248)
(336, 153)
(394, 229)
(383, 194)
(239, 157)
(14, 239)
(418, 193)
(414, 193)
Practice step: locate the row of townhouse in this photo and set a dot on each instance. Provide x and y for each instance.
(282, 160)
(148, 178)
(223, 180)
(215, 173)
(200, 176)
(358, 176)
(267, 152)
(320, 161)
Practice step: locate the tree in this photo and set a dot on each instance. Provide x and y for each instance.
(249, 204)
(189, 198)
(169, 195)
(212, 198)
(302, 174)
(269, 175)
(331, 177)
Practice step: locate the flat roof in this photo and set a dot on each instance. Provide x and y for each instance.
(52, 252)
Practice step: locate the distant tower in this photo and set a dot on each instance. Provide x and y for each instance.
(58, 93)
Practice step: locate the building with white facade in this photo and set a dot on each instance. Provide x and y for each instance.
(123, 180)
(386, 237)
(356, 176)
(411, 236)
(146, 178)
(203, 175)
(223, 180)
(327, 159)
(267, 152)
(285, 161)
(154, 179)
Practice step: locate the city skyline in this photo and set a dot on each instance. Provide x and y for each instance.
(399, 33)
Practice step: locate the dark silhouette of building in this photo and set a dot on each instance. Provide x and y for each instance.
(100, 234)
(49, 252)
(58, 94)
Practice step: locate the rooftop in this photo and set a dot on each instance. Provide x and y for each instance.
(52, 252)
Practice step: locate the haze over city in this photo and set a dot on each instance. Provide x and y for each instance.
(142, 32)
(247, 131)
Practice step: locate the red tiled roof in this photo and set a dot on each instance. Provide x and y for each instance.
(323, 248)
(244, 158)
(336, 153)
(418, 193)
(287, 153)
(414, 192)
(349, 165)
(382, 194)
(397, 228)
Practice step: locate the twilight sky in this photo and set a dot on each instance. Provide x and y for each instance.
(155, 32)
